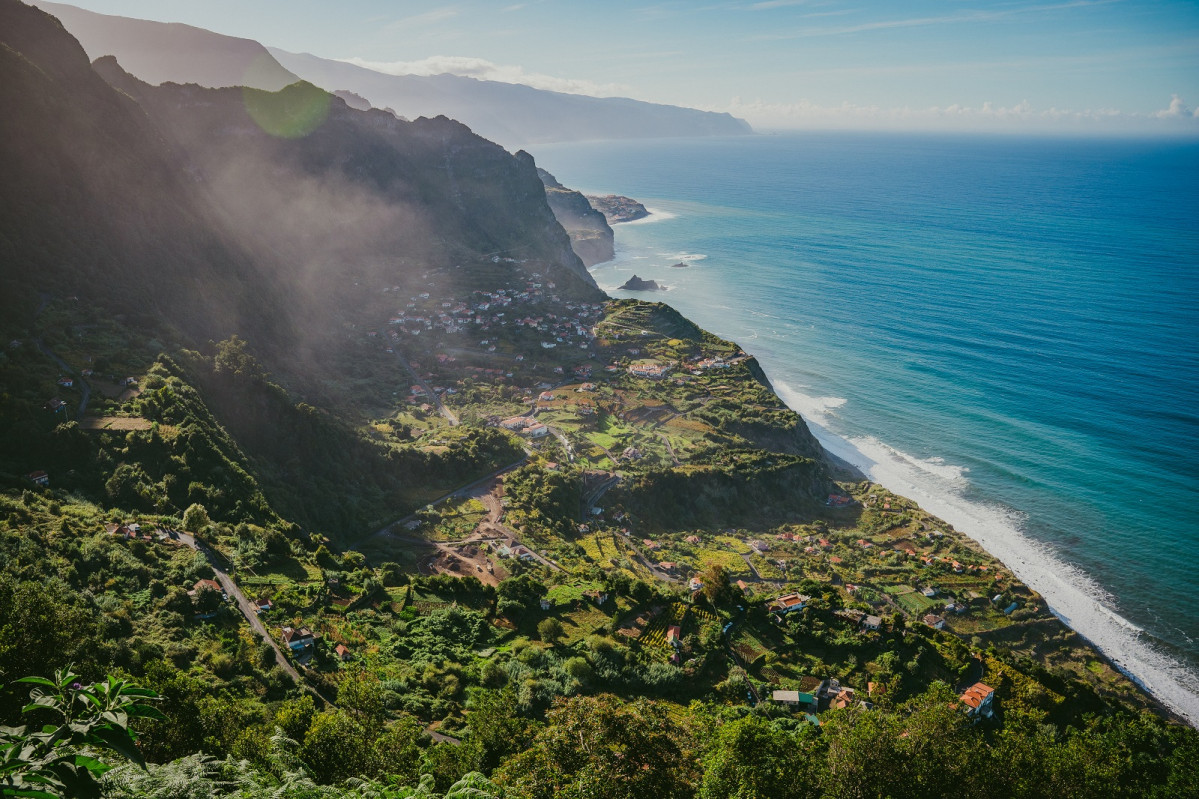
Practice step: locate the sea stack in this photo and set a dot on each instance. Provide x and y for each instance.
(637, 284)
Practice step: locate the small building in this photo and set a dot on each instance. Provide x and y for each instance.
(597, 596)
(667, 565)
(978, 700)
(298, 640)
(788, 603)
(872, 622)
(673, 636)
(263, 605)
(203, 585)
(929, 592)
(797, 699)
(692, 539)
(39, 478)
(847, 698)
(935, 621)
(343, 652)
(66, 382)
(546, 604)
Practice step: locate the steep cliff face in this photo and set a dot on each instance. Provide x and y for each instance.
(93, 202)
(590, 234)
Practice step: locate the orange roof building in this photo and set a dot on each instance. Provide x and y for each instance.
(978, 699)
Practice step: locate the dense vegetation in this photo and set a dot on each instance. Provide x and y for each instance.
(443, 523)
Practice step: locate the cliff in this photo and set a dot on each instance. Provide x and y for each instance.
(590, 235)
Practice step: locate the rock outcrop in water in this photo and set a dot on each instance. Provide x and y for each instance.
(638, 284)
(617, 209)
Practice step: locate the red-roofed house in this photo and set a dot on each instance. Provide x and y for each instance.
(343, 652)
(298, 640)
(206, 585)
(788, 603)
(978, 698)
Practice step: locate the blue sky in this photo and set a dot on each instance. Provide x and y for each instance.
(1102, 65)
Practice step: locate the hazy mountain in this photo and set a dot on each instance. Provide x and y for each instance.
(512, 114)
(158, 52)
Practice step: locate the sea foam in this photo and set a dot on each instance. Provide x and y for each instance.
(655, 215)
(1070, 594)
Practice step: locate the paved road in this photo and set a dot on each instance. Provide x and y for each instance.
(461, 491)
(248, 609)
(84, 387)
(434, 398)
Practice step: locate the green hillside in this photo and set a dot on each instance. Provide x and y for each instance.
(325, 470)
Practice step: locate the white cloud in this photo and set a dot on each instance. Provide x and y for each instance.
(1176, 110)
(487, 70)
(426, 18)
(987, 116)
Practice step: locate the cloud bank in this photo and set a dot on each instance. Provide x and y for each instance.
(1176, 118)
(487, 70)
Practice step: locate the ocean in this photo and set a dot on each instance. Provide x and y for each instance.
(1003, 329)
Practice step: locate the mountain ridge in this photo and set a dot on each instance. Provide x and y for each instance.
(159, 52)
(513, 115)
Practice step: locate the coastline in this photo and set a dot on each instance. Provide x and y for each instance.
(1070, 595)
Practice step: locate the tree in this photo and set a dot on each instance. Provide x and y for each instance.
(335, 747)
(717, 587)
(601, 748)
(295, 716)
(208, 600)
(550, 630)
(63, 759)
(518, 595)
(495, 730)
(195, 518)
(751, 759)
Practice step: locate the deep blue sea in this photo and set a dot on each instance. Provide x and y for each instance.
(1003, 329)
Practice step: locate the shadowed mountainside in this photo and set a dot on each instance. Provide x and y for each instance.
(220, 211)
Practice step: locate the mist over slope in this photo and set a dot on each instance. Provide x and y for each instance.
(227, 210)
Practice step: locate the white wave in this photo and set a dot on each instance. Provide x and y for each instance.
(686, 257)
(815, 408)
(1071, 595)
(655, 215)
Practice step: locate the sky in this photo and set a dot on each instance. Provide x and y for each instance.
(988, 65)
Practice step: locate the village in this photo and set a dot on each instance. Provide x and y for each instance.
(856, 600)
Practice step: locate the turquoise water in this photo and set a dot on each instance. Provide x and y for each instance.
(1006, 330)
